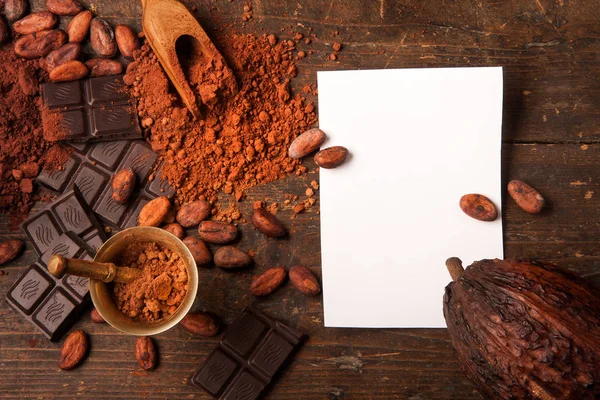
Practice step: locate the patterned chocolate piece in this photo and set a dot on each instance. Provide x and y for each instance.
(94, 109)
(248, 357)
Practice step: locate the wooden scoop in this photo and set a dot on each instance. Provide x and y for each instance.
(168, 24)
(105, 272)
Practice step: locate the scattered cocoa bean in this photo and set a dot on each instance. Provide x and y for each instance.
(14, 9)
(217, 232)
(69, 71)
(104, 66)
(526, 197)
(175, 229)
(10, 249)
(331, 157)
(170, 217)
(191, 214)
(28, 82)
(39, 44)
(200, 252)
(200, 324)
(96, 317)
(64, 7)
(4, 31)
(102, 38)
(122, 185)
(145, 353)
(66, 52)
(127, 41)
(154, 212)
(479, 207)
(304, 280)
(267, 223)
(30, 169)
(267, 282)
(306, 143)
(79, 26)
(35, 22)
(231, 257)
(74, 350)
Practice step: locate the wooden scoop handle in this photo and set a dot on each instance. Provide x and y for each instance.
(105, 272)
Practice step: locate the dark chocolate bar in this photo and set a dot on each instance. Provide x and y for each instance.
(52, 304)
(93, 109)
(248, 357)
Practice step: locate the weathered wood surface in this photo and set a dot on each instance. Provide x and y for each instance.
(550, 54)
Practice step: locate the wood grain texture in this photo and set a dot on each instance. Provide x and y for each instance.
(550, 54)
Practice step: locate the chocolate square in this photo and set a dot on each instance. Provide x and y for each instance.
(244, 334)
(30, 289)
(271, 354)
(53, 315)
(245, 387)
(217, 371)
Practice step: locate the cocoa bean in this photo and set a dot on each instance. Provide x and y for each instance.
(331, 157)
(122, 185)
(200, 324)
(35, 22)
(4, 31)
(145, 353)
(69, 71)
(479, 207)
(200, 252)
(127, 41)
(154, 212)
(74, 350)
(526, 197)
(175, 229)
(304, 280)
(102, 38)
(267, 282)
(79, 26)
(96, 317)
(10, 249)
(306, 143)
(104, 66)
(14, 9)
(231, 257)
(191, 214)
(66, 52)
(64, 7)
(39, 44)
(29, 84)
(217, 232)
(267, 223)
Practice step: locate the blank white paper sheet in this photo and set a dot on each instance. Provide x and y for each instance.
(419, 139)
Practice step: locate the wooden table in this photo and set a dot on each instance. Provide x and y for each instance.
(550, 54)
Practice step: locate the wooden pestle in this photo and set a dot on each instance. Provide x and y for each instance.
(58, 266)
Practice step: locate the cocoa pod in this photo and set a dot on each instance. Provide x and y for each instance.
(304, 280)
(35, 22)
(217, 232)
(66, 52)
(74, 350)
(200, 324)
(29, 84)
(127, 41)
(122, 185)
(102, 38)
(191, 214)
(175, 229)
(39, 44)
(267, 282)
(10, 249)
(231, 257)
(64, 7)
(306, 143)
(104, 66)
(526, 197)
(14, 9)
(145, 353)
(200, 252)
(96, 317)
(267, 223)
(331, 157)
(69, 71)
(479, 207)
(154, 212)
(79, 26)
(4, 31)
(30, 169)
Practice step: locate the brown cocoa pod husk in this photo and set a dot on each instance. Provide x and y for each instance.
(104, 67)
(64, 7)
(154, 212)
(267, 223)
(331, 157)
(29, 84)
(304, 280)
(96, 317)
(127, 41)
(145, 353)
(66, 52)
(200, 252)
(306, 143)
(123, 184)
(102, 38)
(79, 26)
(36, 22)
(14, 9)
(267, 282)
(74, 350)
(217, 232)
(231, 257)
(4, 31)
(191, 214)
(39, 44)
(479, 207)
(175, 229)
(10, 249)
(526, 197)
(69, 71)
(200, 324)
